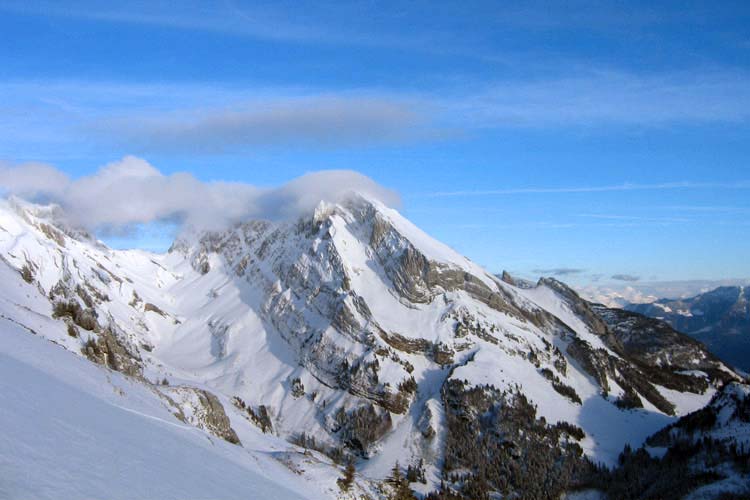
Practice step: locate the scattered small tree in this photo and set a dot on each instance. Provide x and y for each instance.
(298, 388)
(400, 485)
(90, 346)
(415, 473)
(345, 482)
(27, 274)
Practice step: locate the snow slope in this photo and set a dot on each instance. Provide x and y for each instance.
(76, 431)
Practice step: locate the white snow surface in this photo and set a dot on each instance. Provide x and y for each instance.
(73, 430)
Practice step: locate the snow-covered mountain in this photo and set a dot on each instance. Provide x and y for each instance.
(348, 331)
(719, 318)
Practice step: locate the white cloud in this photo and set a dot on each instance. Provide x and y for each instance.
(132, 191)
(298, 121)
(31, 180)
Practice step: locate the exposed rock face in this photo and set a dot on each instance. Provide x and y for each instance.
(644, 352)
(72, 311)
(665, 354)
(437, 352)
(651, 345)
(202, 409)
(605, 367)
(214, 419)
(106, 349)
(507, 278)
(583, 309)
(362, 427)
(419, 279)
(53, 234)
(148, 307)
(515, 281)
(259, 416)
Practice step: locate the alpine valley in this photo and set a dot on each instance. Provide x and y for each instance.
(344, 354)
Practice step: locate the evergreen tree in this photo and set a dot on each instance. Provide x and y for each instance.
(401, 490)
(346, 481)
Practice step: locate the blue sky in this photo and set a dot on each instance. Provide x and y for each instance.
(595, 141)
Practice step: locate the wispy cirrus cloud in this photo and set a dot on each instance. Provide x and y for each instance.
(559, 271)
(634, 218)
(702, 209)
(743, 184)
(599, 97)
(204, 118)
(200, 118)
(625, 277)
(222, 17)
(305, 121)
(322, 23)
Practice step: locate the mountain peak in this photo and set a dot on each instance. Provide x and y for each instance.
(354, 326)
(720, 318)
(48, 218)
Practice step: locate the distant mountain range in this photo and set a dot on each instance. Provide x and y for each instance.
(719, 318)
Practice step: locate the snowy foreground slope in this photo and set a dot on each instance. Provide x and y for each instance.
(71, 430)
(348, 331)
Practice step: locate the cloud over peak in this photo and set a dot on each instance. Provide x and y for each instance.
(132, 191)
